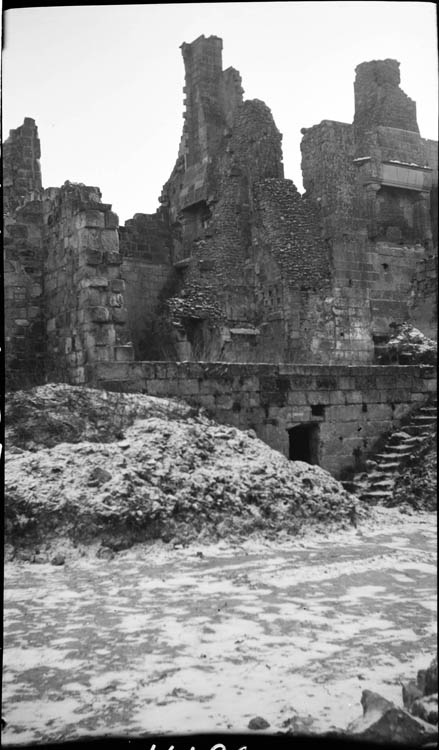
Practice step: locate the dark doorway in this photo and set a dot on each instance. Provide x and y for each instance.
(304, 443)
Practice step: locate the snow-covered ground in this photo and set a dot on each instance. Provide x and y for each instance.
(204, 638)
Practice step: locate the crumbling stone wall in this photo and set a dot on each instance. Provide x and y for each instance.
(379, 100)
(292, 273)
(353, 406)
(63, 287)
(424, 299)
(84, 304)
(389, 271)
(23, 291)
(328, 150)
(149, 276)
(235, 265)
(21, 167)
(23, 255)
(232, 213)
(372, 182)
(215, 295)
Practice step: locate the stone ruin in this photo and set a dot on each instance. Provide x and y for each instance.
(235, 266)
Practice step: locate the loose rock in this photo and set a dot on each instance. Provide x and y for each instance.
(258, 723)
(426, 708)
(58, 559)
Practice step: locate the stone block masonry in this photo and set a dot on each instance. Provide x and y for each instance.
(21, 166)
(85, 312)
(235, 265)
(23, 287)
(23, 253)
(351, 407)
(371, 182)
(147, 271)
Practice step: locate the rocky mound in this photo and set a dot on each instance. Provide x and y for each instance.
(124, 468)
(47, 415)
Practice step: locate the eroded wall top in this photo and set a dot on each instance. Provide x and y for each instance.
(379, 100)
(21, 166)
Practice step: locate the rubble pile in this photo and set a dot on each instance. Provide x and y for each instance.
(409, 346)
(90, 465)
(47, 415)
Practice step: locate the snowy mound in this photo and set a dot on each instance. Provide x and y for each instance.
(170, 473)
(410, 346)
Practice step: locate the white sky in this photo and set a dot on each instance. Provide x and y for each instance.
(104, 83)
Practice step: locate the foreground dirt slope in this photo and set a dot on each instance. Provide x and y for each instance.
(123, 468)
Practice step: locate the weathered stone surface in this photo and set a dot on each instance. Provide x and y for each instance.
(383, 722)
(427, 680)
(258, 722)
(426, 708)
(58, 559)
(98, 476)
(346, 434)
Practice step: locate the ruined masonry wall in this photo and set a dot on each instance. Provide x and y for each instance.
(392, 281)
(145, 248)
(23, 255)
(425, 296)
(21, 166)
(329, 173)
(23, 279)
(380, 101)
(357, 405)
(84, 304)
(216, 284)
(292, 275)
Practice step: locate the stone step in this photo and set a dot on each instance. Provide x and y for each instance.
(418, 430)
(412, 439)
(377, 474)
(402, 437)
(424, 419)
(400, 448)
(382, 484)
(390, 466)
(377, 495)
(377, 483)
(388, 455)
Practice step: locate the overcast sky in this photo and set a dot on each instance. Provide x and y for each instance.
(104, 83)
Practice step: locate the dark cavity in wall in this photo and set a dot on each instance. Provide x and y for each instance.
(304, 443)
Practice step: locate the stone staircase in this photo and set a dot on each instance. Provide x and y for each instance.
(376, 485)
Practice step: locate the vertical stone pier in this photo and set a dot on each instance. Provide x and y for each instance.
(85, 308)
